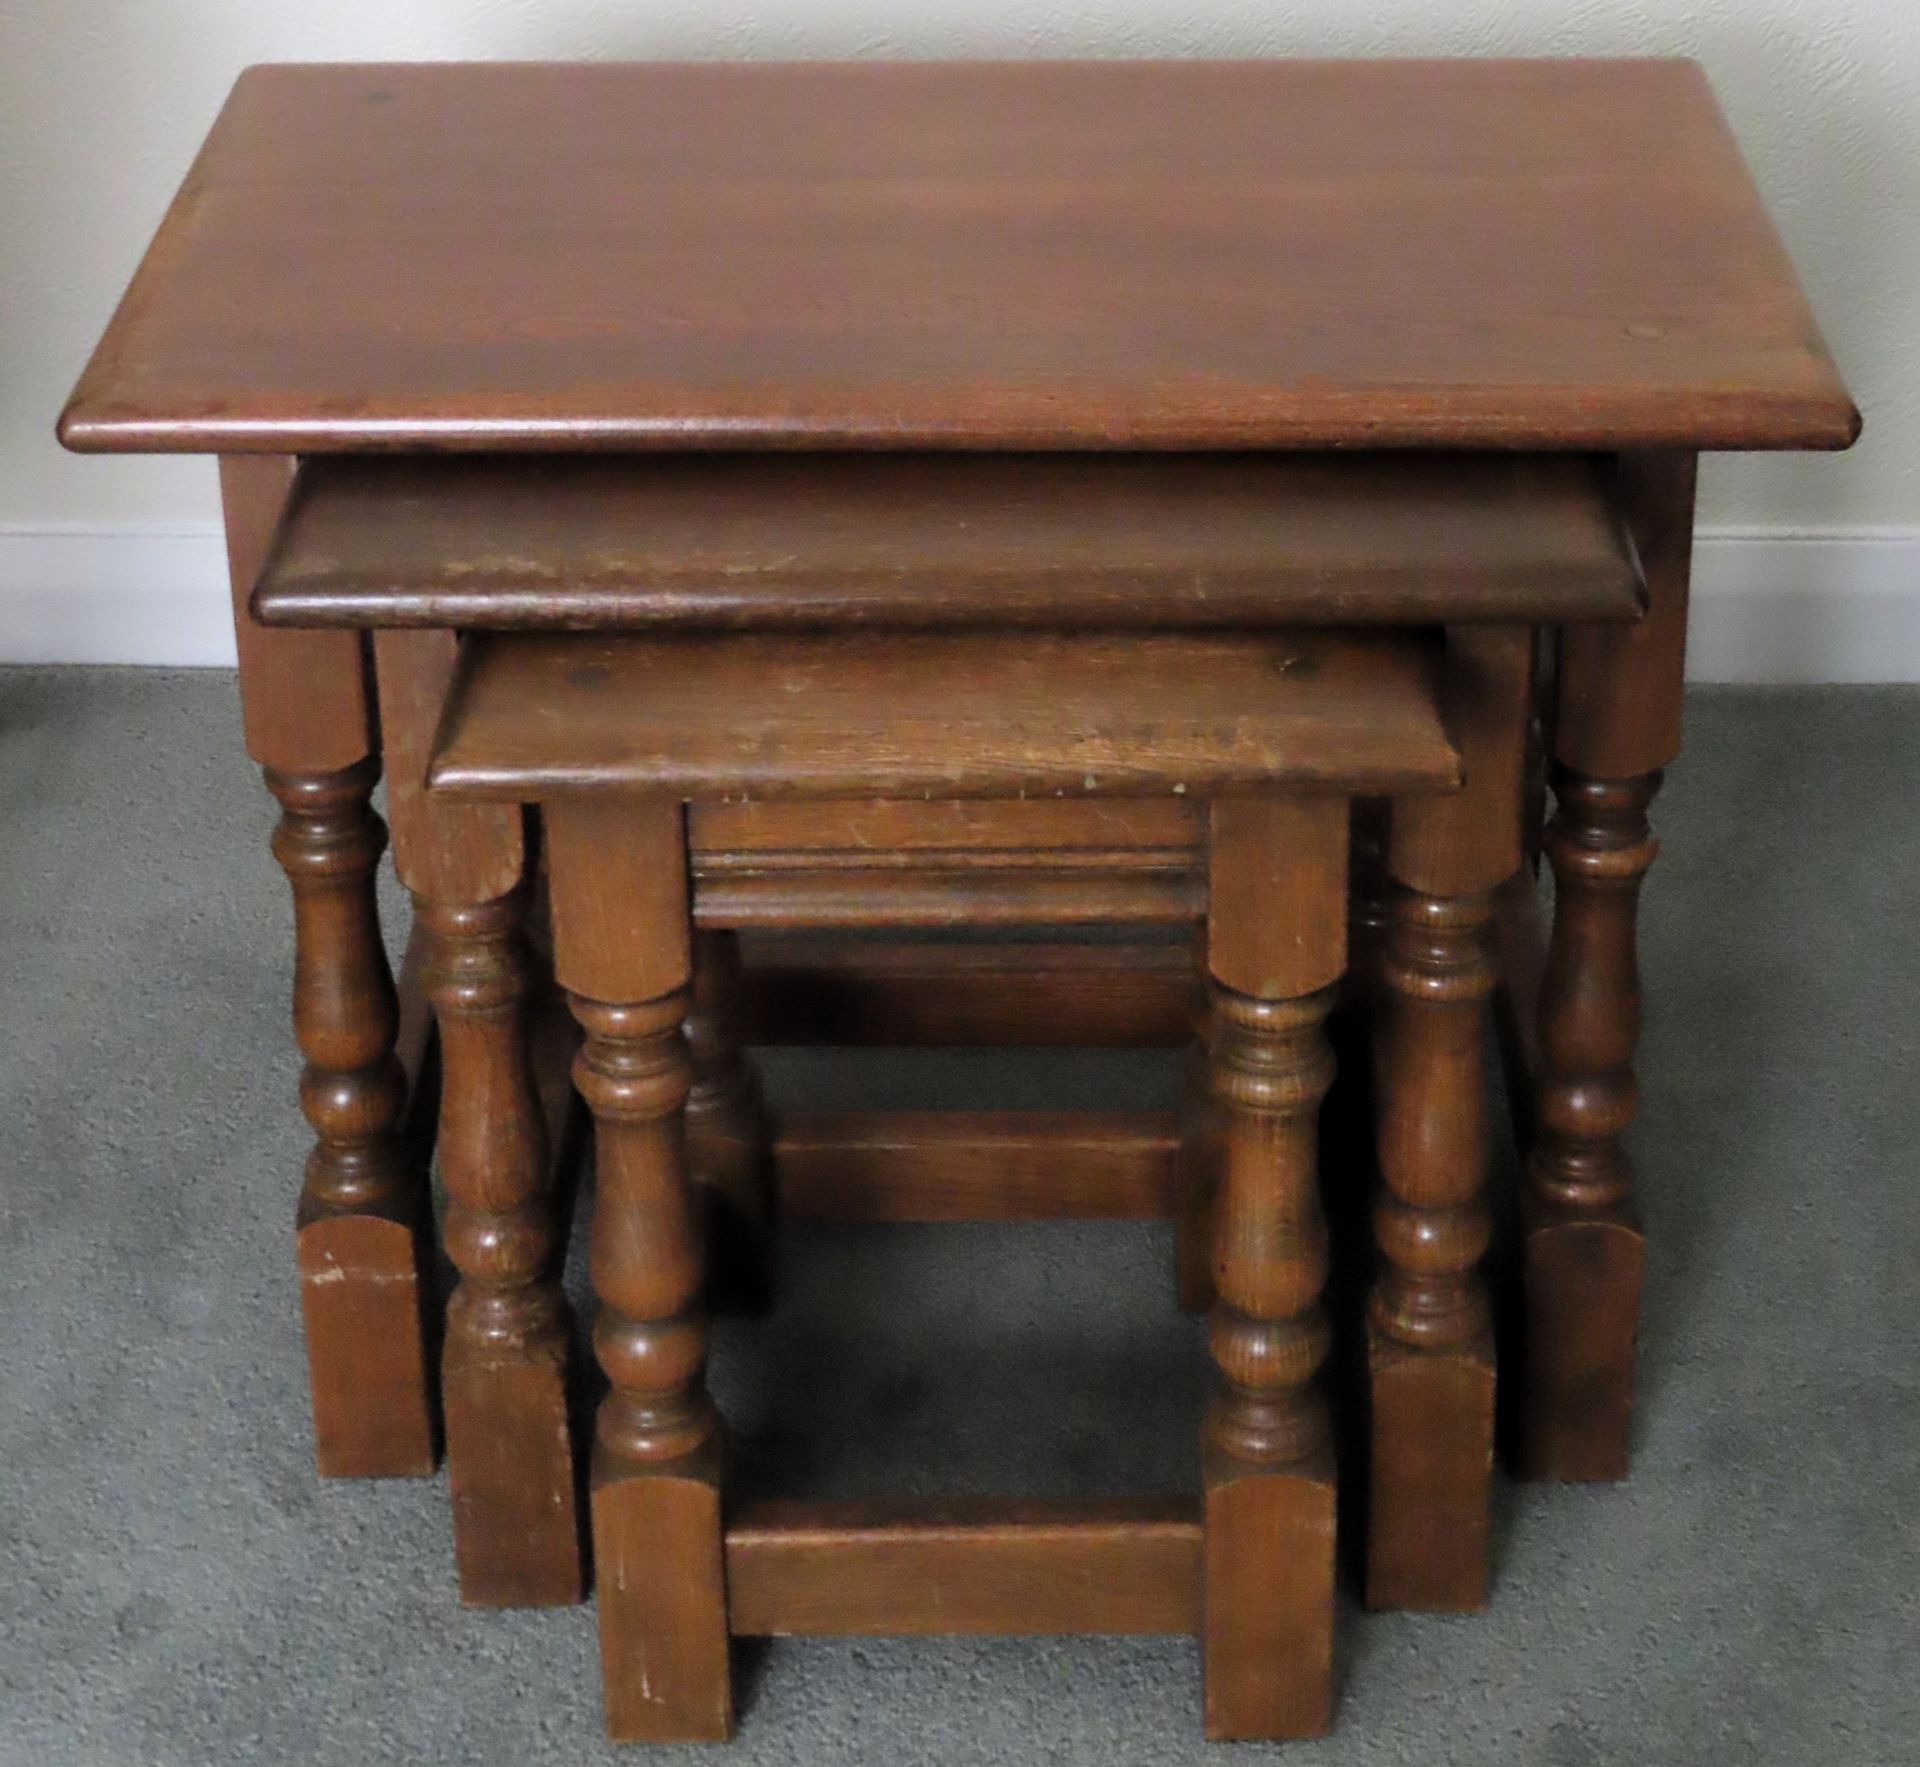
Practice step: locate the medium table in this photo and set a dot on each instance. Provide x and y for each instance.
(800, 612)
(1546, 257)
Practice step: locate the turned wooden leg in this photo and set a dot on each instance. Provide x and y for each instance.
(1583, 1247)
(729, 1147)
(621, 946)
(360, 1229)
(1268, 1451)
(1276, 938)
(510, 1460)
(1616, 727)
(1369, 893)
(1430, 1350)
(359, 1220)
(1430, 1355)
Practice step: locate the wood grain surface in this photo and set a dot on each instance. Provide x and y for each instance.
(1543, 254)
(983, 715)
(924, 540)
(1047, 1165)
(985, 1565)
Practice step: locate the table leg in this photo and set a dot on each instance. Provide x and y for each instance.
(1583, 1245)
(622, 951)
(361, 1214)
(504, 1365)
(504, 1368)
(358, 1220)
(1276, 945)
(1616, 726)
(1430, 1354)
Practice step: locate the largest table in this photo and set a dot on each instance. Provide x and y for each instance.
(1149, 256)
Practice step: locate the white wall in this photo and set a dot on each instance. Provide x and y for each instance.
(103, 102)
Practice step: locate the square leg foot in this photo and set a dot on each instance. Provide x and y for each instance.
(1430, 1475)
(361, 1299)
(660, 1586)
(1267, 1639)
(1582, 1281)
(516, 1522)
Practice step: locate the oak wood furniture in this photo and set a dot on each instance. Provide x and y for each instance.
(1150, 255)
(472, 542)
(1271, 734)
(1114, 541)
(1535, 258)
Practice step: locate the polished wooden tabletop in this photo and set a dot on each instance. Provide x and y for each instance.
(1540, 254)
(623, 542)
(967, 715)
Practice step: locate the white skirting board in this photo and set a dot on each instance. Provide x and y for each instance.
(1773, 606)
(150, 596)
(1769, 605)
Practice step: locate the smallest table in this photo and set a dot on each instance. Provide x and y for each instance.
(1269, 736)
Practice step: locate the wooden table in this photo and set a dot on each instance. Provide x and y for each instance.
(1515, 256)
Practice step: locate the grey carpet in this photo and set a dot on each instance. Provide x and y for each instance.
(176, 1586)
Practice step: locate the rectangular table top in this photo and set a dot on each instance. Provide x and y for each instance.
(629, 542)
(1537, 254)
(990, 715)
